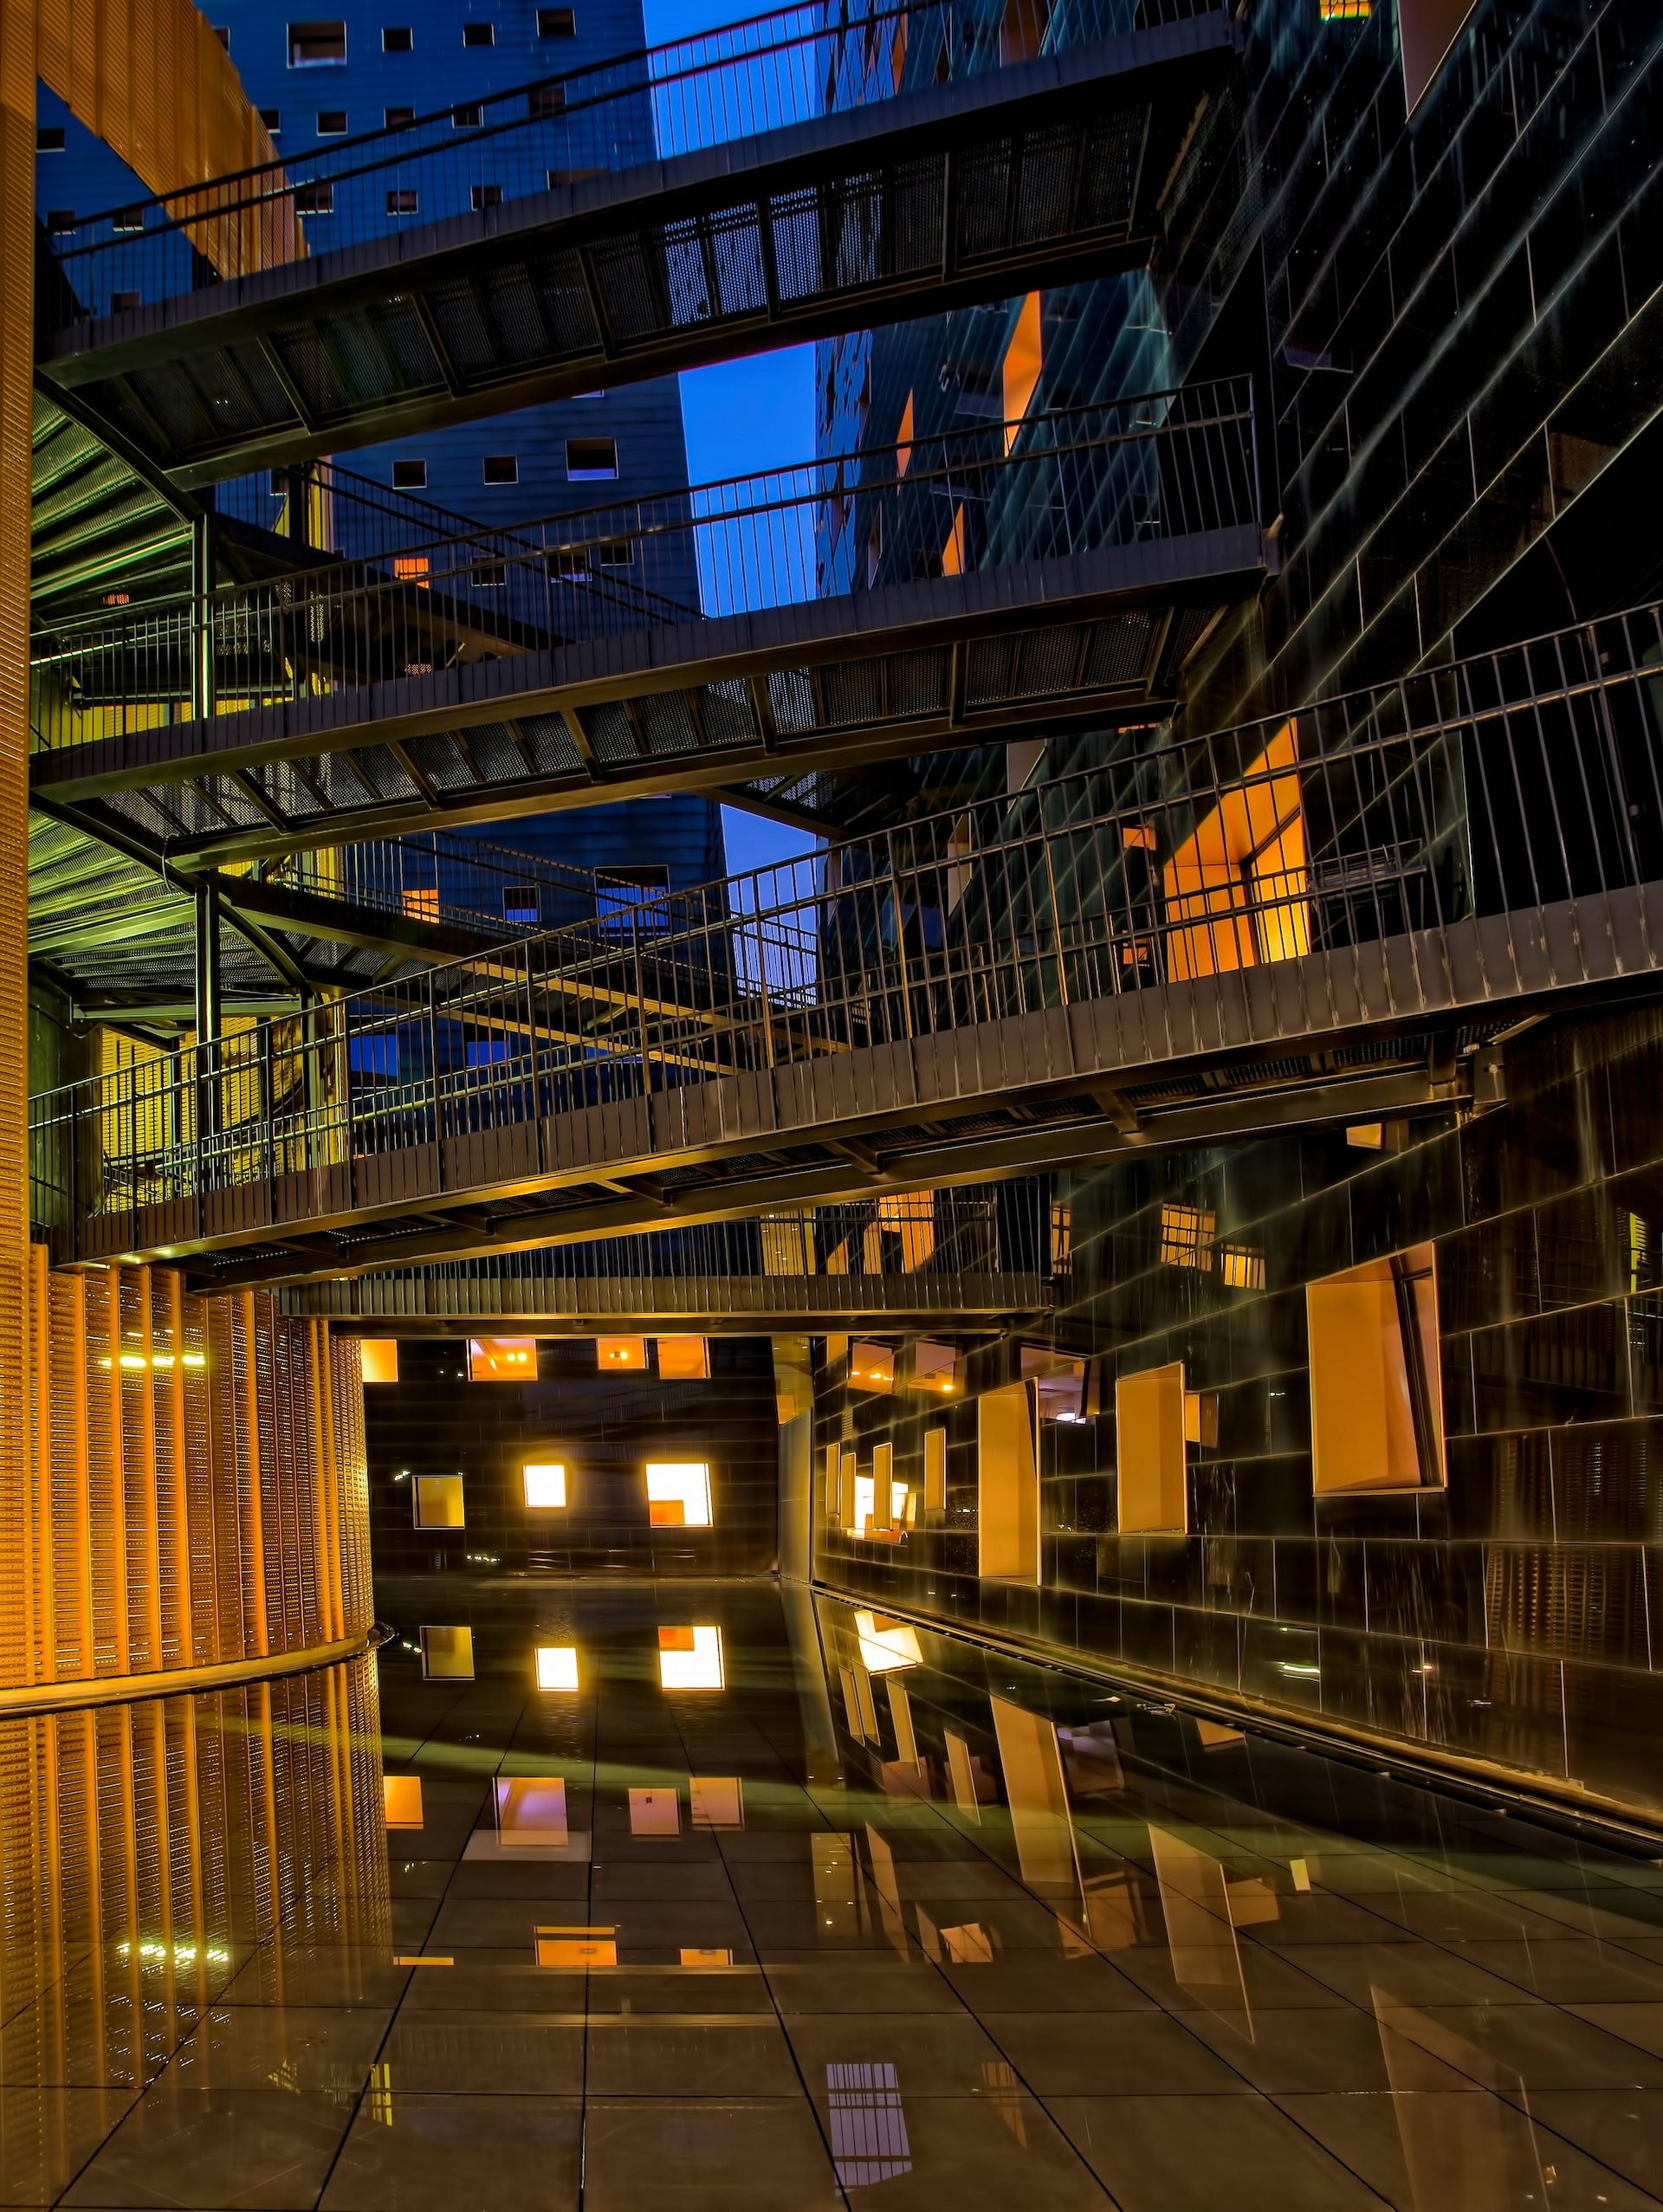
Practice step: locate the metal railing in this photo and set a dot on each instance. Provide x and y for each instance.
(1160, 464)
(1501, 785)
(727, 84)
(432, 877)
(908, 1251)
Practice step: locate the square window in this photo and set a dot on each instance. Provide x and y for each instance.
(61, 219)
(544, 101)
(486, 195)
(520, 903)
(531, 1813)
(438, 1501)
(315, 199)
(656, 1812)
(409, 475)
(332, 122)
(49, 138)
(678, 1494)
(396, 38)
(465, 118)
(273, 119)
(716, 1801)
(397, 118)
(448, 1654)
(557, 22)
(591, 460)
(683, 1358)
(690, 1659)
(545, 1483)
(501, 1359)
(479, 34)
(502, 467)
(401, 1796)
(379, 1357)
(401, 202)
(556, 1666)
(126, 222)
(621, 1354)
(317, 46)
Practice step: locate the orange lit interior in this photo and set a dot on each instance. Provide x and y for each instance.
(1236, 888)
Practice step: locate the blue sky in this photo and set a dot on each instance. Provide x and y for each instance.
(741, 415)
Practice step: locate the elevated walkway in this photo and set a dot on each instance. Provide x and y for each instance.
(1051, 572)
(733, 194)
(1334, 917)
(955, 1260)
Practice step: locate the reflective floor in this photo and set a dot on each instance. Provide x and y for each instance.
(845, 1915)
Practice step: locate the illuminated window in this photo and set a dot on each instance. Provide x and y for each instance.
(380, 1358)
(1061, 1237)
(1023, 361)
(581, 1947)
(438, 1501)
(678, 1494)
(1150, 1449)
(1187, 1236)
(501, 1359)
(1008, 1480)
(531, 1813)
(655, 1812)
(706, 1957)
(865, 1504)
(556, 1666)
(1240, 1268)
(421, 903)
(953, 550)
(411, 568)
(545, 1486)
(621, 1354)
(684, 1358)
(911, 1215)
(448, 1654)
(1376, 1383)
(872, 1367)
(886, 1644)
(401, 1797)
(935, 1470)
(1344, 11)
(716, 1801)
(903, 440)
(1237, 890)
(787, 1244)
(936, 1368)
(690, 1659)
(969, 1945)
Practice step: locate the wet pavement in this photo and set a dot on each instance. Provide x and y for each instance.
(848, 1913)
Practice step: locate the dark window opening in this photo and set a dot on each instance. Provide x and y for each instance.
(273, 119)
(60, 218)
(315, 199)
(122, 303)
(490, 575)
(465, 118)
(396, 38)
(332, 122)
(398, 118)
(590, 460)
(223, 33)
(317, 46)
(557, 22)
(127, 221)
(479, 34)
(520, 903)
(409, 475)
(501, 469)
(48, 138)
(545, 100)
(402, 201)
(487, 196)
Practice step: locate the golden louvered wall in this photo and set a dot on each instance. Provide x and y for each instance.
(197, 1490)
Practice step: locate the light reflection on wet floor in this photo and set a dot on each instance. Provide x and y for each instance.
(949, 1932)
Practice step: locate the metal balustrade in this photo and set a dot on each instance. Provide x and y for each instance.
(729, 84)
(1478, 835)
(1176, 470)
(910, 1256)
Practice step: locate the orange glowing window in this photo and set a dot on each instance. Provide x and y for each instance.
(501, 1359)
(912, 1215)
(556, 1666)
(898, 55)
(655, 1813)
(380, 1358)
(903, 440)
(1187, 1236)
(422, 903)
(936, 1368)
(690, 1659)
(531, 1813)
(953, 550)
(438, 1501)
(411, 568)
(1237, 888)
(706, 1957)
(1023, 361)
(621, 1354)
(545, 1486)
(401, 1796)
(577, 1947)
(448, 1654)
(716, 1801)
(886, 1644)
(684, 1358)
(678, 1494)
(872, 1367)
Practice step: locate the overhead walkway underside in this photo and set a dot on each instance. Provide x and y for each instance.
(1054, 573)
(1042, 173)
(1333, 918)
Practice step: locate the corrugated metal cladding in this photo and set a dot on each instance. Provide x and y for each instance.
(681, 834)
(196, 1481)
